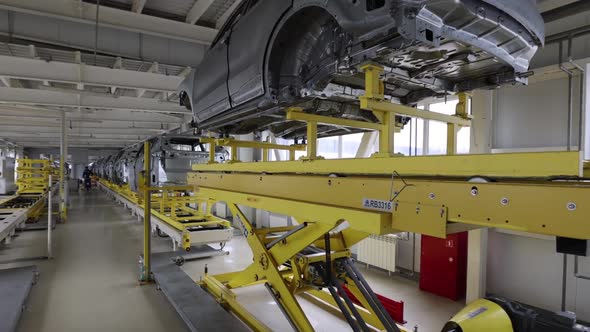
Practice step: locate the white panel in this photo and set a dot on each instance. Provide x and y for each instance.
(535, 116)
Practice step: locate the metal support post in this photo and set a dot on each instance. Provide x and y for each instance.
(462, 112)
(386, 136)
(62, 169)
(451, 139)
(147, 216)
(49, 221)
(312, 140)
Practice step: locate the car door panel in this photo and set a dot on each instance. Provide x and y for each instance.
(210, 85)
(247, 48)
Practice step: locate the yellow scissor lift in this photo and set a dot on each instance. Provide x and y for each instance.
(338, 203)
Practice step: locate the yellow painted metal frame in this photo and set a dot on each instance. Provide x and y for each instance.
(33, 183)
(428, 195)
(34, 209)
(174, 210)
(267, 266)
(235, 144)
(424, 206)
(33, 176)
(538, 164)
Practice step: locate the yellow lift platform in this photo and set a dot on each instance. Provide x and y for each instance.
(338, 203)
(175, 214)
(30, 199)
(188, 220)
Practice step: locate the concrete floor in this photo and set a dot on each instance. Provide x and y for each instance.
(91, 284)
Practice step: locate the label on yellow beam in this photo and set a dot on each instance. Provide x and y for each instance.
(377, 205)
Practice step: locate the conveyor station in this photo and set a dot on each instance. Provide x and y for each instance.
(337, 203)
(304, 165)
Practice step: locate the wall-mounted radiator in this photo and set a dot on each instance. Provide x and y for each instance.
(378, 251)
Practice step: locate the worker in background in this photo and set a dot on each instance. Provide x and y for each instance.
(86, 176)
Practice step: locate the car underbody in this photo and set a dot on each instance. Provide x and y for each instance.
(427, 48)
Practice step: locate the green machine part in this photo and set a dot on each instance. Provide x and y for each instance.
(480, 316)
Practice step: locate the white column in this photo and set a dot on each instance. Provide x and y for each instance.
(481, 134)
(367, 142)
(586, 129)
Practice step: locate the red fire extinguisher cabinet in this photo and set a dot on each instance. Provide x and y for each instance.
(443, 265)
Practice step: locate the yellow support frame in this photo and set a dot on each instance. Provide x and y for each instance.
(267, 266)
(429, 195)
(535, 164)
(429, 207)
(235, 144)
(173, 209)
(33, 176)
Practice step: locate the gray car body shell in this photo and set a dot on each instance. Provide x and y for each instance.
(234, 74)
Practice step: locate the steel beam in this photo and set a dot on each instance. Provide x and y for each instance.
(197, 10)
(541, 164)
(137, 6)
(83, 12)
(32, 137)
(101, 127)
(100, 117)
(73, 73)
(54, 98)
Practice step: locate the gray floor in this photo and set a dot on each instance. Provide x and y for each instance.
(90, 285)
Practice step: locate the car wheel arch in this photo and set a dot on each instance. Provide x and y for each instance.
(290, 22)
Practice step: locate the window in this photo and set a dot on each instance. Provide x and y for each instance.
(375, 4)
(181, 147)
(410, 140)
(350, 145)
(437, 134)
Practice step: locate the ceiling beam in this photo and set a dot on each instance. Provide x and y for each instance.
(41, 112)
(546, 5)
(91, 127)
(565, 11)
(198, 9)
(154, 68)
(79, 11)
(81, 74)
(24, 115)
(137, 6)
(77, 144)
(72, 99)
(36, 130)
(225, 16)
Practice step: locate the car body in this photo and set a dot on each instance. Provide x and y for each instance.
(272, 54)
(172, 156)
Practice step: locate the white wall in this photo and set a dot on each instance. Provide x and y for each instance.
(525, 268)
(535, 116)
(529, 270)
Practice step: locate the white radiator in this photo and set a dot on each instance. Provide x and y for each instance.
(378, 251)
